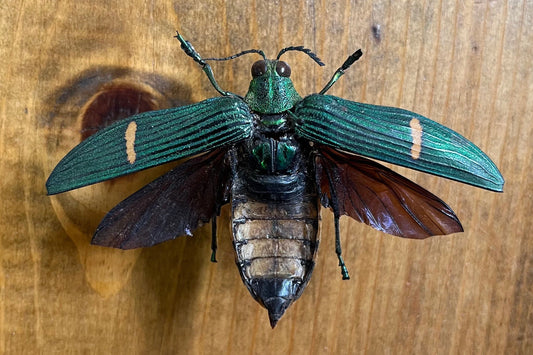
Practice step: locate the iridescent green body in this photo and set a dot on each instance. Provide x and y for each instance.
(276, 157)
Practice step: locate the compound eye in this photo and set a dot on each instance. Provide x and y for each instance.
(283, 69)
(259, 68)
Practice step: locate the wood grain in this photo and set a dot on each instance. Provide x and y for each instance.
(464, 64)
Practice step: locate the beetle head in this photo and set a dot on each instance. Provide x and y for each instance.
(271, 90)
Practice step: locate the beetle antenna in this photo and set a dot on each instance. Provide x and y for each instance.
(191, 52)
(258, 51)
(339, 72)
(302, 49)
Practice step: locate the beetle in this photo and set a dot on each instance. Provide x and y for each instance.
(275, 157)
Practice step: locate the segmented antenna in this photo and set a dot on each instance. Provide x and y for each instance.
(302, 49)
(248, 51)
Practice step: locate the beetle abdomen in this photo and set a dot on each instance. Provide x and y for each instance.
(275, 242)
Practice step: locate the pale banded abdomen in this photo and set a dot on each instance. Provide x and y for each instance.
(275, 245)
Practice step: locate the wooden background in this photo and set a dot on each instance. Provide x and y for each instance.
(466, 64)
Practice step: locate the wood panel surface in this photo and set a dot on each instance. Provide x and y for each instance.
(465, 64)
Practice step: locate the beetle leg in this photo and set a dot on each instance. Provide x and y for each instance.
(336, 214)
(214, 239)
(340, 72)
(187, 47)
(338, 249)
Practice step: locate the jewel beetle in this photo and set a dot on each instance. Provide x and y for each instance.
(275, 157)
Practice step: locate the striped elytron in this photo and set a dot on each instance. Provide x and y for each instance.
(276, 157)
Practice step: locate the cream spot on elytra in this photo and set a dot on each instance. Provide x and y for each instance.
(416, 135)
(130, 142)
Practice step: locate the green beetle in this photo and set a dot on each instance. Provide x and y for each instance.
(276, 157)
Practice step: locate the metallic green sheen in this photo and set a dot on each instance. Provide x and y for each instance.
(262, 154)
(277, 122)
(271, 93)
(285, 154)
(384, 133)
(161, 136)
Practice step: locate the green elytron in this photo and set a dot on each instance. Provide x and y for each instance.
(276, 157)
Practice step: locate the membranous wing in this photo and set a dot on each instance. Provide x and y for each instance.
(152, 138)
(174, 204)
(396, 136)
(373, 194)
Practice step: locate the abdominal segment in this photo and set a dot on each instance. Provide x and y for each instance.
(275, 246)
